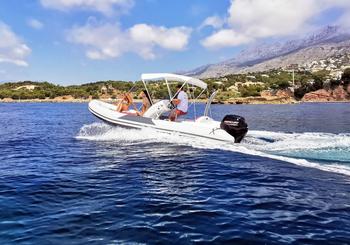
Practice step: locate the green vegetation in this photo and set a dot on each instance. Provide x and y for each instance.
(44, 90)
(251, 84)
(346, 76)
(230, 86)
(251, 90)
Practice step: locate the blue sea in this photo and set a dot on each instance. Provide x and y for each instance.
(68, 178)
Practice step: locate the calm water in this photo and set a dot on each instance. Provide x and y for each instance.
(67, 178)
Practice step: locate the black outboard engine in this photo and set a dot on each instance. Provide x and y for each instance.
(235, 126)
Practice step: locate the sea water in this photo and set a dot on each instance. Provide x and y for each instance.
(66, 177)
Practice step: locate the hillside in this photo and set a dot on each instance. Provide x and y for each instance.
(327, 43)
(26, 90)
(270, 86)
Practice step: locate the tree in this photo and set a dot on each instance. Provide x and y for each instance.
(252, 90)
(346, 76)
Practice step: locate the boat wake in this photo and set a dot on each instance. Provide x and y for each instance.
(325, 151)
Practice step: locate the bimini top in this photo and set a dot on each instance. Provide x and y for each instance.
(174, 77)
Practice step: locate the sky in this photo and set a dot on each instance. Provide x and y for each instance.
(78, 41)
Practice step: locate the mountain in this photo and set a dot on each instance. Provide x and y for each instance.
(325, 43)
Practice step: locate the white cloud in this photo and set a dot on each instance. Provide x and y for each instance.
(12, 49)
(249, 20)
(34, 23)
(175, 38)
(107, 7)
(213, 21)
(224, 38)
(261, 18)
(105, 41)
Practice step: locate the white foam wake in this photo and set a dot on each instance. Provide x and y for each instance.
(274, 145)
(277, 141)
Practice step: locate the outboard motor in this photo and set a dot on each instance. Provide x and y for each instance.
(235, 125)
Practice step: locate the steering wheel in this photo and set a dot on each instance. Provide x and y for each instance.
(171, 105)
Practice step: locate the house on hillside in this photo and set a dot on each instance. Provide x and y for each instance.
(316, 68)
(232, 88)
(331, 67)
(310, 81)
(247, 84)
(336, 74)
(251, 77)
(292, 67)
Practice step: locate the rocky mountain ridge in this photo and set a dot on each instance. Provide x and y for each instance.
(331, 41)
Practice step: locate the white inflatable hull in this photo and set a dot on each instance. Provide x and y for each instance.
(203, 127)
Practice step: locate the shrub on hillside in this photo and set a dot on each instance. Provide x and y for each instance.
(252, 90)
(346, 76)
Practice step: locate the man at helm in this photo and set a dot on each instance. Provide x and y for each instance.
(181, 103)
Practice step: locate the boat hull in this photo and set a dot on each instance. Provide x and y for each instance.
(202, 128)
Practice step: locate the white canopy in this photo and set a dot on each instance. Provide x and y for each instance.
(174, 77)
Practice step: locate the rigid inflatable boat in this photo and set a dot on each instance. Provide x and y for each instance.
(232, 128)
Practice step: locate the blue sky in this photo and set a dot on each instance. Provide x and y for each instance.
(78, 41)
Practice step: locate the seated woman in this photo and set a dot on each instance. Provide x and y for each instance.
(124, 104)
(146, 102)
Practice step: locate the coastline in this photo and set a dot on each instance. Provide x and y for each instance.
(63, 99)
(237, 101)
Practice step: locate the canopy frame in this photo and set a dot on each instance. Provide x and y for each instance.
(185, 80)
(173, 77)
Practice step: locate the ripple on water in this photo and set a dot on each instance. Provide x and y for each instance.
(64, 183)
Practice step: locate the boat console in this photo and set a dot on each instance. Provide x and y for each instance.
(157, 109)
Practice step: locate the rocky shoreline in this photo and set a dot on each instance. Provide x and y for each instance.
(286, 96)
(340, 93)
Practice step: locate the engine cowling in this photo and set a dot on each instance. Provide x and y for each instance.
(235, 125)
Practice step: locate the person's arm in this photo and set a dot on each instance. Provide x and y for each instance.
(145, 106)
(176, 101)
(143, 110)
(179, 98)
(135, 108)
